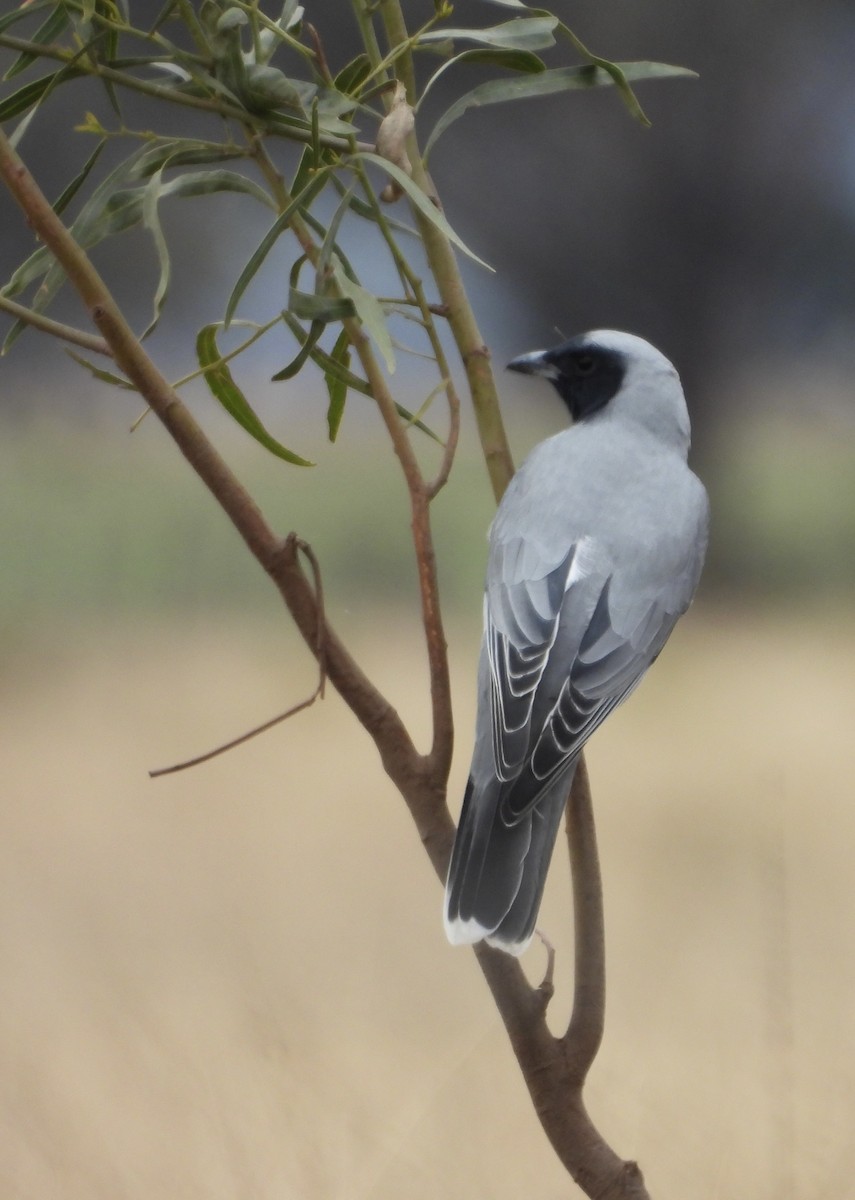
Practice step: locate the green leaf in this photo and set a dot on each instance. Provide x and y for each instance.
(337, 385)
(151, 221)
(313, 188)
(223, 387)
(48, 31)
(561, 79)
(20, 13)
(523, 33)
(33, 92)
(70, 190)
(422, 202)
(99, 373)
(308, 344)
(513, 60)
(308, 306)
(338, 370)
(370, 313)
(351, 78)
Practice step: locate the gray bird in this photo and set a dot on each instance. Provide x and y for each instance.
(595, 551)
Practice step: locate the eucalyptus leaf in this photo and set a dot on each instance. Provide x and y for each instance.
(423, 202)
(370, 312)
(99, 373)
(337, 385)
(307, 306)
(48, 31)
(223, 387)
(34, 92)
(295, 366)
(151, 221)
(351, 78)
(523, 33)
(282, 222)
(20, 13)
(523, 61)
(561, 79)
(70, 191)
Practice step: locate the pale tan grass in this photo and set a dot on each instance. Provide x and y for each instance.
(234, 983)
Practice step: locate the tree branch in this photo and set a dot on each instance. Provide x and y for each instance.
(278, 558)
(438, 760)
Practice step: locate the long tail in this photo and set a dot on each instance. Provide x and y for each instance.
(498, 871)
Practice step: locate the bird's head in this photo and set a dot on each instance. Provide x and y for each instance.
(609, 371)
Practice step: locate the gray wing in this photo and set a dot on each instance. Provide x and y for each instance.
(566, 643)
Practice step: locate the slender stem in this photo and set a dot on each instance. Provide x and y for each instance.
(411, 281)
(461, 318)
(439, 757)
(88, 341)
(399, 39)
(367, 32)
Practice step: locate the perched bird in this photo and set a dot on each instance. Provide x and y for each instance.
(595, 551)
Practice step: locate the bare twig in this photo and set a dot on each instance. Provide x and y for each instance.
(244, 737)
(317, 694)
(67, 333)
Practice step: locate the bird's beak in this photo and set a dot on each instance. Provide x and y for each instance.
(534, 363)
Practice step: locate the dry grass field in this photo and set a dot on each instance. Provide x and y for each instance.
(233, 983)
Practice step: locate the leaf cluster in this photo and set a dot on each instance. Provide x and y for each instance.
(263, 77)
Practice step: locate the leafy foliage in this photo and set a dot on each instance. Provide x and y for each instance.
(261, 74)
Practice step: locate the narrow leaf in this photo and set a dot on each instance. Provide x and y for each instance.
(296, 364)
(562, 79)
(99, 373)
(423, 202)
(21, 13)
(47, 32)
(308, 306)
(370, 312)
(523, 33)
(514, 60)
(71, 189)
(315, 185)
(151, 221)
(337, 385)
(33, 92)
(223, 387)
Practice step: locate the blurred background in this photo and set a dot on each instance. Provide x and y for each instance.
(233, 982)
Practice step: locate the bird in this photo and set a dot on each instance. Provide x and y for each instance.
(595, 552)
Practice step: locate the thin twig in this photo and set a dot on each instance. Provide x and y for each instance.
(317, 694)
(244, 737)
(88, 341)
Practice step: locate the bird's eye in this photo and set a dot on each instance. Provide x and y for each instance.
(585, 364)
